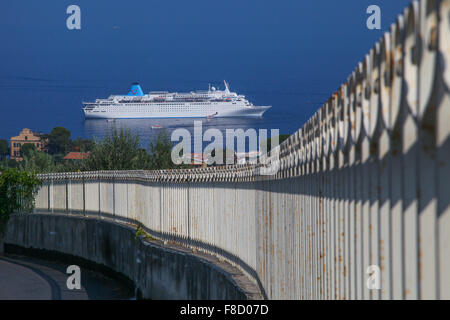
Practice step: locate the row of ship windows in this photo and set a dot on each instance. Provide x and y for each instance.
(159, 107)
(138, 109)
(168, 104)
(179, 106)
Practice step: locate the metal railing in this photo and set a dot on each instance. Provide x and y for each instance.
(362, 191)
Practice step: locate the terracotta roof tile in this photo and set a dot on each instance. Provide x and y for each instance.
(77, 156)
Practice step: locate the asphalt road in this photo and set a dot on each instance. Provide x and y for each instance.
(26, 278)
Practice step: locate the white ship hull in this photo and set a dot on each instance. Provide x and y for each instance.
(163, 104)
(160, 111)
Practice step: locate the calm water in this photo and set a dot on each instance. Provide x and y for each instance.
(49, 103)
(291, 55)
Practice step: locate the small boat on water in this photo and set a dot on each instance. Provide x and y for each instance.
(156, 126)
(111, 120)
(211, 116)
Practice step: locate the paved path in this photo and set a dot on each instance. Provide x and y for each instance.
(19, 282)
(25, 278)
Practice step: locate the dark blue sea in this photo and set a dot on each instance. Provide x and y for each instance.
(292, 55)
(50, 103)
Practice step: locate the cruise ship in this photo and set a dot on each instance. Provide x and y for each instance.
(163, 104)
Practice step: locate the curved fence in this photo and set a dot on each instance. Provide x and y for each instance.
(359, 208)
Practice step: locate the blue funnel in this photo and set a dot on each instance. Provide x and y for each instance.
(135, 90)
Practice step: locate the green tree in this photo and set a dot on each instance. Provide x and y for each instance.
(17, 192)
(228, 156)
(82, 145)
(4, 148)
(160, 152)
(143, 160)
(59, 140)
(9, 163)
(118, 151)
(28, 149)
(37, 161)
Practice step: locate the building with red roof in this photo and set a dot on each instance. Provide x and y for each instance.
(77, 156)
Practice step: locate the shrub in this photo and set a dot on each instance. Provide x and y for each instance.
(17, 192)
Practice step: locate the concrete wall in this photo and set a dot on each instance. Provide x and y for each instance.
(159, 272)
(364, 182)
